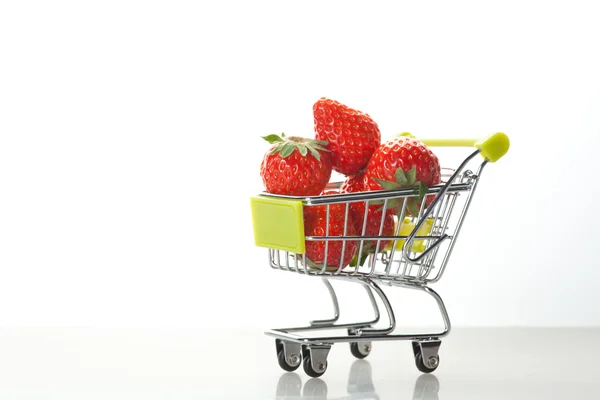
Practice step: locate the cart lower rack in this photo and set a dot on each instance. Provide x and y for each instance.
(414, 257)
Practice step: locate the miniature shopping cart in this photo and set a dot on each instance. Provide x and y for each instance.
(414, 257)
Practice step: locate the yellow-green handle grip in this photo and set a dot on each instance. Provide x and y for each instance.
(492, 147)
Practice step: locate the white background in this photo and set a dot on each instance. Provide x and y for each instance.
(130, 144)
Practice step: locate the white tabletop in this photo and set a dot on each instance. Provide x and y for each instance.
(477, 363)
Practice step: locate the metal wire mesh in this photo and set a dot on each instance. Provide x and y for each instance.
(382, 254)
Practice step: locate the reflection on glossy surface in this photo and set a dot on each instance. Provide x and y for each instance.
(289, 386)
(119, 364)
(360, 380)
(360, 386)
(315, 389)
(427, 387)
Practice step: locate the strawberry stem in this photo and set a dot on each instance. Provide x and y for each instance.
(405, 179)
(285, 145)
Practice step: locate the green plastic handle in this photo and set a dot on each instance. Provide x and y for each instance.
(492, 147)
(450, 142)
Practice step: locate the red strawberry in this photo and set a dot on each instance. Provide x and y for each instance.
(373, 226)
(353, 136)
(353, 184)
(403, 162)
(315, 224)
(295, 166)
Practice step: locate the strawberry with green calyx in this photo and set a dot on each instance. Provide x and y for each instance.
(353, 135)
(295, 166)
(404, 162)
(402, 181)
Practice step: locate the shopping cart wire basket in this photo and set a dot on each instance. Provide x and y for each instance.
(413, 258)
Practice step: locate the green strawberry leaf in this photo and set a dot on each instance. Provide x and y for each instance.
(287, 149)
(313, 265)
(363, 257)
(394, 203)
(399, 209)
(411, 176)
(400, 177)
(413, 206)
(407, 134)
(273, 138)
(321, 142)
(314, 152)
(302, 149)
(422, 190)
(319, 147)
(391, 204)
(387, 185)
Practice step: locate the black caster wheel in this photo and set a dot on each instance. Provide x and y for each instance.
(310, 371)
(287, 365)
(284, 364)
(433, 363)
(360, 349)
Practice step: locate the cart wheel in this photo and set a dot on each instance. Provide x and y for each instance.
(295, 359)
(360, 349)
(284, 364)
(308, 368)
(433, 361)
